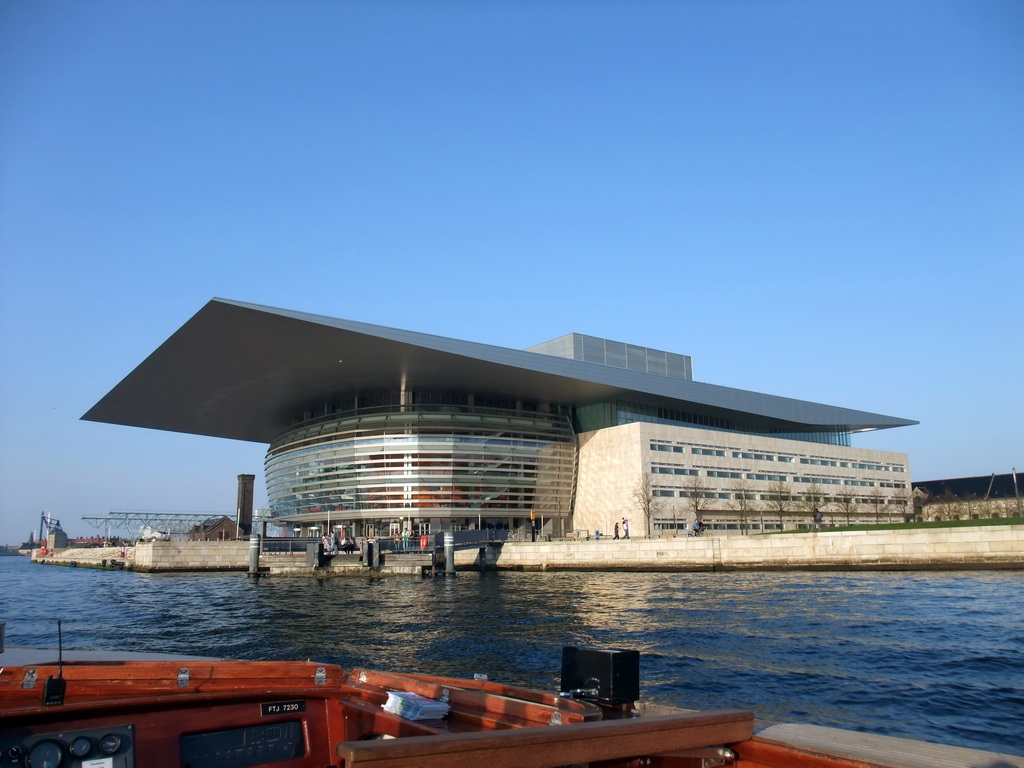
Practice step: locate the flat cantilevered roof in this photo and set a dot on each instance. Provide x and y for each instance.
(247, 372)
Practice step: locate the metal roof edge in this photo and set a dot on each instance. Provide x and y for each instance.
(714, 395)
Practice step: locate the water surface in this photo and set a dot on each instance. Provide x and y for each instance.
(931, 655)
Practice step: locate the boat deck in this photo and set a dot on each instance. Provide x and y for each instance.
(200, 713)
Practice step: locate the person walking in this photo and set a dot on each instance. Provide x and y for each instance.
(625, 527)
(616, 531)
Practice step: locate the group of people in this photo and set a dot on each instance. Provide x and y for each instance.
(699, 527)
(332, 544)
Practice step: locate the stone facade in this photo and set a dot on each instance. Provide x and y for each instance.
(610, 465)
(680, 460)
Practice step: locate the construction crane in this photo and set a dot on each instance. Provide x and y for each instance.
(48, 525)
(990, 482)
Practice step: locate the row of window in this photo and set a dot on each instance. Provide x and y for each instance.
(835, 481)
(751, 497)
(680, 525)
(853, 465)
(426, 400)
(759, 456)
(822, 462)
(627, 413)
(410, 423)
(326, 464)
(668, 469)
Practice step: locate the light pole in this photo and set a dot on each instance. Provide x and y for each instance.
(1016, 492)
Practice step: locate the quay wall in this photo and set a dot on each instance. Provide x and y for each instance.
(159, 556)
(990, 547)
(156, 556)
(944, 548)
(88, 557)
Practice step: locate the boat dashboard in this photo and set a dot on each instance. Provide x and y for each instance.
(201, 732)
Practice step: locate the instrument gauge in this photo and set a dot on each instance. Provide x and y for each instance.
(45, 754)
(81, 747)
(110, 743)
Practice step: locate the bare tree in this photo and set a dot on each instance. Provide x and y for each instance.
(743, 501)
(877, 501)
(644, 500)
(780, 500)
(970, 505)
(901, 500)
(946, 506)
(848, 505)
(697, 495)
(812, 498)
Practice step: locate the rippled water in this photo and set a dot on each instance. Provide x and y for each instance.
(931, 655)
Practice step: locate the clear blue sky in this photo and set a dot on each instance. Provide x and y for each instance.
(816, 200)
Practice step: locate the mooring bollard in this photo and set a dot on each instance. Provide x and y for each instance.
(449, 553)
(254, 554)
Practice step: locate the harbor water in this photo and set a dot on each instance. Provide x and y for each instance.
(937, 656)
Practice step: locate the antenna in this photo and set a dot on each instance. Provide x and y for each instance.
(53, 688)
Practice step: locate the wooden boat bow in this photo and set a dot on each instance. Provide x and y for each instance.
(203, 713)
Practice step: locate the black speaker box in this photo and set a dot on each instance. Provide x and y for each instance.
(614, 673)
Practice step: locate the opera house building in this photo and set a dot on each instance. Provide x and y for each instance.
(382, 431)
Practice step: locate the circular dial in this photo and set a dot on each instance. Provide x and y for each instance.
(81, 747)
(110, 743)
(45, 754)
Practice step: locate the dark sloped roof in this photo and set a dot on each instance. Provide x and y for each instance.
(245, 372)
(987, 486)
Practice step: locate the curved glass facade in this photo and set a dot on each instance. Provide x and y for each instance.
(425, 462)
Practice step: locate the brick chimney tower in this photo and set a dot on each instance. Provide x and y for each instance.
(243, 518)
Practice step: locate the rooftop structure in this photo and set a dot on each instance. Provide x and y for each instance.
(592, 349)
